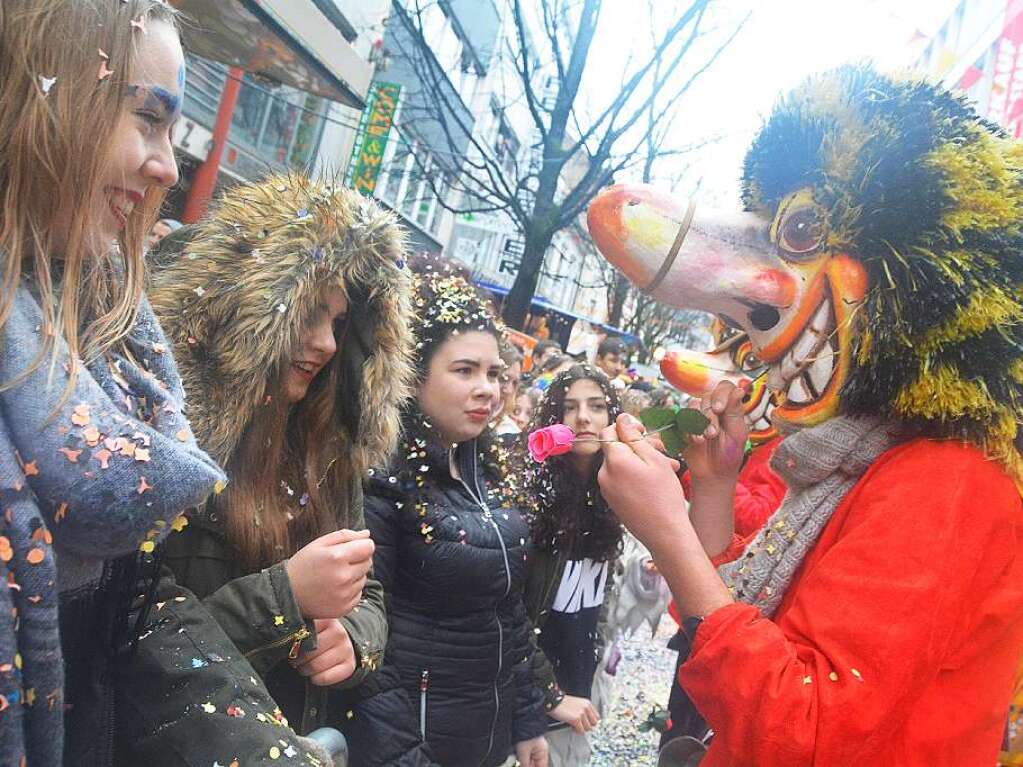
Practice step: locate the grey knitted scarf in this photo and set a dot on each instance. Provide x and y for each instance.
(819, 465)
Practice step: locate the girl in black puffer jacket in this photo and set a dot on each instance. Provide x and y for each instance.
(451, 555)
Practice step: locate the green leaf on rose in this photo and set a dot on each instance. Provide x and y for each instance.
(683, 422)
(691, 421)
(655, 418)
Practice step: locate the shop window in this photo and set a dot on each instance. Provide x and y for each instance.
(414, 189)
(443, 187)
(249, 115)
(307, 134)
(272, 124)
(396, 170)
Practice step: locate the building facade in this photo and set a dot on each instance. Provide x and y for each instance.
(979, 49)
(301, 73)
(490, 243)
(388, 95)
(434, 57)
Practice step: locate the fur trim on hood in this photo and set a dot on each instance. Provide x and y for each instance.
(234, 295)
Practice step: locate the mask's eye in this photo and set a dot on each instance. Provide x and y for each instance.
(744, 359)
(801, 233)
(750, 362)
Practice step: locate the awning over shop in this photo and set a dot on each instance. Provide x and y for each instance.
(542, 303)
(286, 41)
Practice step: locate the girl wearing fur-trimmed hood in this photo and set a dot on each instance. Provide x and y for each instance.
(289, 309)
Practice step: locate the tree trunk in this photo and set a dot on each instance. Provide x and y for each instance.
(619, 293)
(520, 297)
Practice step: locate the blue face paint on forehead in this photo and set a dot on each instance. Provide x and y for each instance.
(171, 102)
(156, 99)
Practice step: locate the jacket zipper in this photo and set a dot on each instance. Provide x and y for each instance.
(489, 517)
(295, 639)
(424, 685)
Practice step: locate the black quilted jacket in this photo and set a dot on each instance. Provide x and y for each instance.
(452, 562)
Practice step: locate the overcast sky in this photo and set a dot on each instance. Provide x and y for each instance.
(783, 41)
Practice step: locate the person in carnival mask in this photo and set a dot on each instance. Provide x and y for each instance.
(875, 272)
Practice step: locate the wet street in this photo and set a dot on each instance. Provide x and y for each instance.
(643, 682)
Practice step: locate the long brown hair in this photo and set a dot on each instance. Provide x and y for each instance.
(53, 161)
(291, 467)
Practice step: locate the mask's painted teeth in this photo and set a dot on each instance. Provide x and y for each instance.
(822, 319)
(822, 368)
(797, 355)
(798, 393)
(807, 368)
(762, 407)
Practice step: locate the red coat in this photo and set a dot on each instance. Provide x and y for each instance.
(758, 492)
(898, 640)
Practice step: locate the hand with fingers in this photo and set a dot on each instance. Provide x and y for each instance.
(715, 458)
(638, 481)
(578, 713)
(328, 575)
(333, 660)
(716, 455)
(532, 753)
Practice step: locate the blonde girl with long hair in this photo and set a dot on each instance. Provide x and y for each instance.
(96, 458)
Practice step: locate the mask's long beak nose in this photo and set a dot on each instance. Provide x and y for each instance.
(687, 257)
(638, 229)
(697, 373)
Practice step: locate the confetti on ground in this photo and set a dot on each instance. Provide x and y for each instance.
(643, 681)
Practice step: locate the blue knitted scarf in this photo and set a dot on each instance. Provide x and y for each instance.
(108, 469)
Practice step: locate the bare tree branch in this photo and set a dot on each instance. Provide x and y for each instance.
(519, 171)
(618, 104)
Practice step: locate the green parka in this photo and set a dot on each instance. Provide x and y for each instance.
(258, 612)
(232, 301)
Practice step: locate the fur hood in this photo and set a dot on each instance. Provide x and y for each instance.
(234, 291)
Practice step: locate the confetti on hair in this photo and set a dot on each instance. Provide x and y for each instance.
(447, 305)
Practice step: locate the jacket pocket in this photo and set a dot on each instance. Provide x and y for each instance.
(294, 640)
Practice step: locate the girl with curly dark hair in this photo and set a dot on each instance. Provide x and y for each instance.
(576, 539)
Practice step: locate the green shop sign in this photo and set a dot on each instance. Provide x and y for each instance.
(371, 139)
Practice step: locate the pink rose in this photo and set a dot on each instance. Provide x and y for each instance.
(550, 440)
